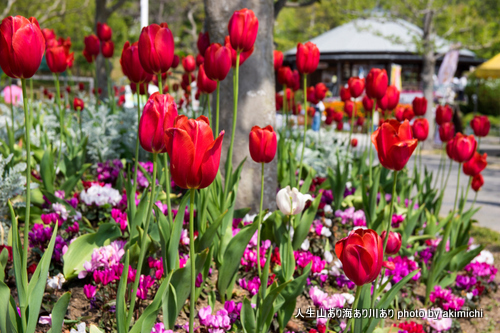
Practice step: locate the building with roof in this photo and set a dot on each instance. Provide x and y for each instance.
(354, 48)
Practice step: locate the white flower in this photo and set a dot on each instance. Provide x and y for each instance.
(348, 297)
(485, 256)
(326, 232)
(100, 195)
(335, 269)
(328, 222)
(45, 320)
(80, 328)
(328, 256)
(56, 282)
(469, 296)
(291, 201)
(328, 209)
(305, 245)
(61, 210)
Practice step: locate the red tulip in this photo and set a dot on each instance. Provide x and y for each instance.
(392, 94)
(68, 89)
(278, 59)
(475, 165)
(156, 48)
(199, 60)
(368, 105)
(158, 116)
(340, 126)
(462, 147)
(21, 46)
(295, 81)
(189, 63)
(345, 94)
(338, 116)
(376, 83)
(321, 91)
(349, 108)
(420, 129)
(311, 95)
(263, 144)
(243, 55)
(446, 132)
(480, 125)
(176, 61)
(354, 142)
(243, 27)
(92, 45)
(78, 104)
(203, 42)
(278, 101)
(131, 65)
(408, 113)
(394, 143)
(104, 32)
(217, 62)
(57, 58)
(285, 75)
(477, 182)
(356, 86)
(205, 85)
(361, 254)
(393, 243)
(307, 57)
(360, 121)
(81, 86)
(194, 155)
(107, 49)
(399, 113)
(443, 114)
(382, 103)
(48, 34)
(419, 106)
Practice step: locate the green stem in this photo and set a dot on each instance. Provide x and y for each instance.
(229, 162)
(354, 306)
(441, 167)
(160, 82)
(260, 220)
(136, 162)
(391, 211)
(443, 187)
(192, 298)
(466, 196)
(27, 118)
(31, 95)
(209, 111)
(110, 93)
(474, 202)
(145, 233)
(11, 105)
(167, 188)
(350, 130)
(458, 188)
(369, 141)
(96, 89)
(61, 121)
(217, 111)
(305, 129)
(80, 115)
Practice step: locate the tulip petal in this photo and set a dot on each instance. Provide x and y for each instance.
(182, 156)
(400, 153)
(210, 163)
(357, 264)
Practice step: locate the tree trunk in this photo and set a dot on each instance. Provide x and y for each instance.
(256, 97)
(429, 65)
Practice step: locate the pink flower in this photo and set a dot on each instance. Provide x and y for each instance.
(317, 296)
(89, 290)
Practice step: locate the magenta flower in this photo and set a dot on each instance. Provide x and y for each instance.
(89, 291)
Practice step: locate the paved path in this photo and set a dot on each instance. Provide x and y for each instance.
(488, 197)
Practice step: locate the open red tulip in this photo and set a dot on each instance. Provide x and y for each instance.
(476, 164)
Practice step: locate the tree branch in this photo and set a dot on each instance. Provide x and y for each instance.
(116, 6)
(7, 9)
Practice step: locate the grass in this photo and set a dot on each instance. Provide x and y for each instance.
(486, 236)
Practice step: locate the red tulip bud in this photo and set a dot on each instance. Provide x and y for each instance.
(107, 49)
(475, 165)
(243, 55)
(394, 143)
(21, 46)
(189, 63)
(158, 116)
(477, 182)
(205, 85)
(285, 75)
(356, 86)
(57, 58)
(243, 27)
(263, 144)
(462, 147)
(307, 57)
(354, 142)
(104, 32)
(480, 125)
(199, 60)
(376, 83)
(345, 94)
(420, 129)
(392, 94)
(321, 91)
(419, 106)
(393, 243)
(278, 59)
(443, 114)
(217, 62)
(368, 105)
(203, 42)
(361, 254)
(156, 48)
(131, 65)
(92, 46)
(175, 61)
(446, 132)
(194, 154)
(349, 108)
